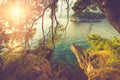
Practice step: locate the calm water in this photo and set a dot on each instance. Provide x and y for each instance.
(76, 33)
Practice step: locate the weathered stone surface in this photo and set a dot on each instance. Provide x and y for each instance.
(63, 71)
(80, 56)
(94, 65)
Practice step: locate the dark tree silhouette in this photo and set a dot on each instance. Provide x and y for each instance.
(111, 10)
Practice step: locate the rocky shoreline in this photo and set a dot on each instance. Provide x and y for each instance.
(87, 17)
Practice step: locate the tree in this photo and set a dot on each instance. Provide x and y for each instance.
(19, 16)
(17, 19)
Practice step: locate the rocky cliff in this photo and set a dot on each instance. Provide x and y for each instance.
(95, 66)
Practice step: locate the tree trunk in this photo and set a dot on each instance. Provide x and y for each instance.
(111, 9)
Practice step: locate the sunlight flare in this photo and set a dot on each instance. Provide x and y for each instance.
(17, 14)
(17, 11)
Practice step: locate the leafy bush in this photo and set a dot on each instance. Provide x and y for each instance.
(98, 43)
(115, 47)
(107, 50)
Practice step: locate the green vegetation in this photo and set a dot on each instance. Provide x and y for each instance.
(11, 57)
(107, 51)
(83, 6)
(86, 11)
(80, 5)
(98, 43)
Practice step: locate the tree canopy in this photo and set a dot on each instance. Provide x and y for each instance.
(18, 17)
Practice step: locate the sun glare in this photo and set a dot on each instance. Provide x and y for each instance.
(17, 12)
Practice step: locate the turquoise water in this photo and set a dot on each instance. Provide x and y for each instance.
(76, 33)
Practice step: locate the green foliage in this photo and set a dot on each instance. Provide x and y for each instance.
(11, 57)
(113, 60)
(115, 47)
(83, 5)
(104, 51)
(98, 43)
(80, 5)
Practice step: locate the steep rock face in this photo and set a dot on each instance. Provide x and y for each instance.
(94, 66)
(63, 71)
(80, 56)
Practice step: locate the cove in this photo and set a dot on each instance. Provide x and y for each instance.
(76, 33)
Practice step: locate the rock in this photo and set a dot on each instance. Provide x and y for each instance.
(87, 17)
(63, 71)
(105, 74)
(80, 56)
(29, 67)
(94, 65)
(48, 53)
